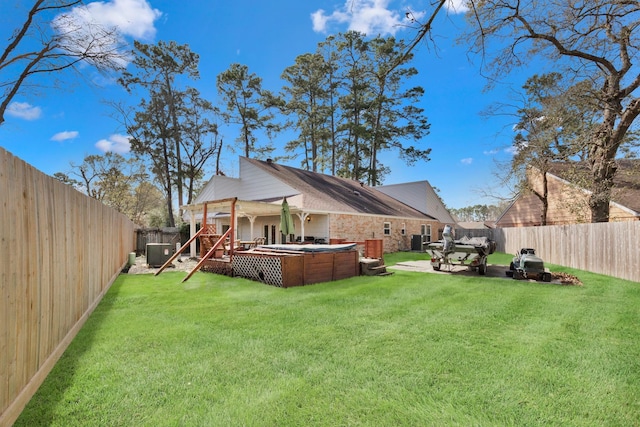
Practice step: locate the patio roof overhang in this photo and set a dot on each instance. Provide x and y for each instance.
(243, 208)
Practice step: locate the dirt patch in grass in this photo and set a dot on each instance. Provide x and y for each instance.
(182, 263)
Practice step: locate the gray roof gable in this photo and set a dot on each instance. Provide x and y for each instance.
(420, 195)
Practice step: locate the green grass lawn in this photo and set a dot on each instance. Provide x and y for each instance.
(413, 349)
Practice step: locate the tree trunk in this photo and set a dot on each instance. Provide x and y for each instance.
(602, 152)
(167, 171)
(603, 170)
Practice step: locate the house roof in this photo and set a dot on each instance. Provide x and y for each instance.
(626, 191)
(335, 194)
(476, 225)
(419, 195)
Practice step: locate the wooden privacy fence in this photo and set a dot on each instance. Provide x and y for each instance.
(610, 248)
(606, 248)
(60, 251)
(156, 235)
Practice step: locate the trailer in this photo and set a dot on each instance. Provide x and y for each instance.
(468, 251)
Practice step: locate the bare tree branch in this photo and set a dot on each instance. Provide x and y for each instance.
(65, 41)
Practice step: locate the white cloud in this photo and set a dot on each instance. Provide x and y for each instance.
(373, 17)
(513, 150)
(457, 6)
(90, 27)
(24, 110)
(63, 136)
(115, 143)
(466, 161)
(133, 18)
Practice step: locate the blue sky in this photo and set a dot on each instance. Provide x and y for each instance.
(49, 127)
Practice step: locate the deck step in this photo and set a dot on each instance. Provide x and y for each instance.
(373, 267)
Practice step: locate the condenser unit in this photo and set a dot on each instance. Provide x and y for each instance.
(158, 254)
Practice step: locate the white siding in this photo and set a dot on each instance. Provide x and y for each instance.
(218, 187)
(257, 184)
(253, 184)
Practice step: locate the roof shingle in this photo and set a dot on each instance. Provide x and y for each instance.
(332, 193)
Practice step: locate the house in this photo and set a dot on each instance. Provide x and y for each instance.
(324, 207)
(421, 196)
(568, 202)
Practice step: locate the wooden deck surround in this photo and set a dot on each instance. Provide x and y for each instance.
(278, 268)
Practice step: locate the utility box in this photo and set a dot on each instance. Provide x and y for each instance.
(416, 242)
(158, 254)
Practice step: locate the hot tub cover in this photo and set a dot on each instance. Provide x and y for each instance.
(310, 248)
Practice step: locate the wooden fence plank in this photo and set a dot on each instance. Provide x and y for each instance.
(604, 248)
(61, 250)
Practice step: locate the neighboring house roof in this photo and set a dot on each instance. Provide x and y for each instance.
(476, 225)
(625, 195)
(626, 191)
(266, 181)
(421, 196)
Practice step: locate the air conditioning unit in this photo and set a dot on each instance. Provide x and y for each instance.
(416, 242)
(158, 254)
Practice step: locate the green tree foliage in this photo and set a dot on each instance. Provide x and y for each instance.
(247, 105)
(553, 123)
(307, 95)
(199, 139)
(116, 181)
(353, 102)
(173, 128)
(393, 115)
(478, 213)
(591, 43)
(350, 102)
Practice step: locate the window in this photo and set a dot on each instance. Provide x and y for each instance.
(387, 229)
(425, 230)
(403, 229)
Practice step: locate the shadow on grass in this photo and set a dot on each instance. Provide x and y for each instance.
(41, 409)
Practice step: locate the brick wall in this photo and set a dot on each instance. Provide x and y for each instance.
(358, 228)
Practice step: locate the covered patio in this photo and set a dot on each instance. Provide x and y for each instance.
(219, 212)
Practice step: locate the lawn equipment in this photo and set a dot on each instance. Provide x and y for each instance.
(526, 265)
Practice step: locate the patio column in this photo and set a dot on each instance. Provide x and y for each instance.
(192, 231)
(303, 218)
(252, 219)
